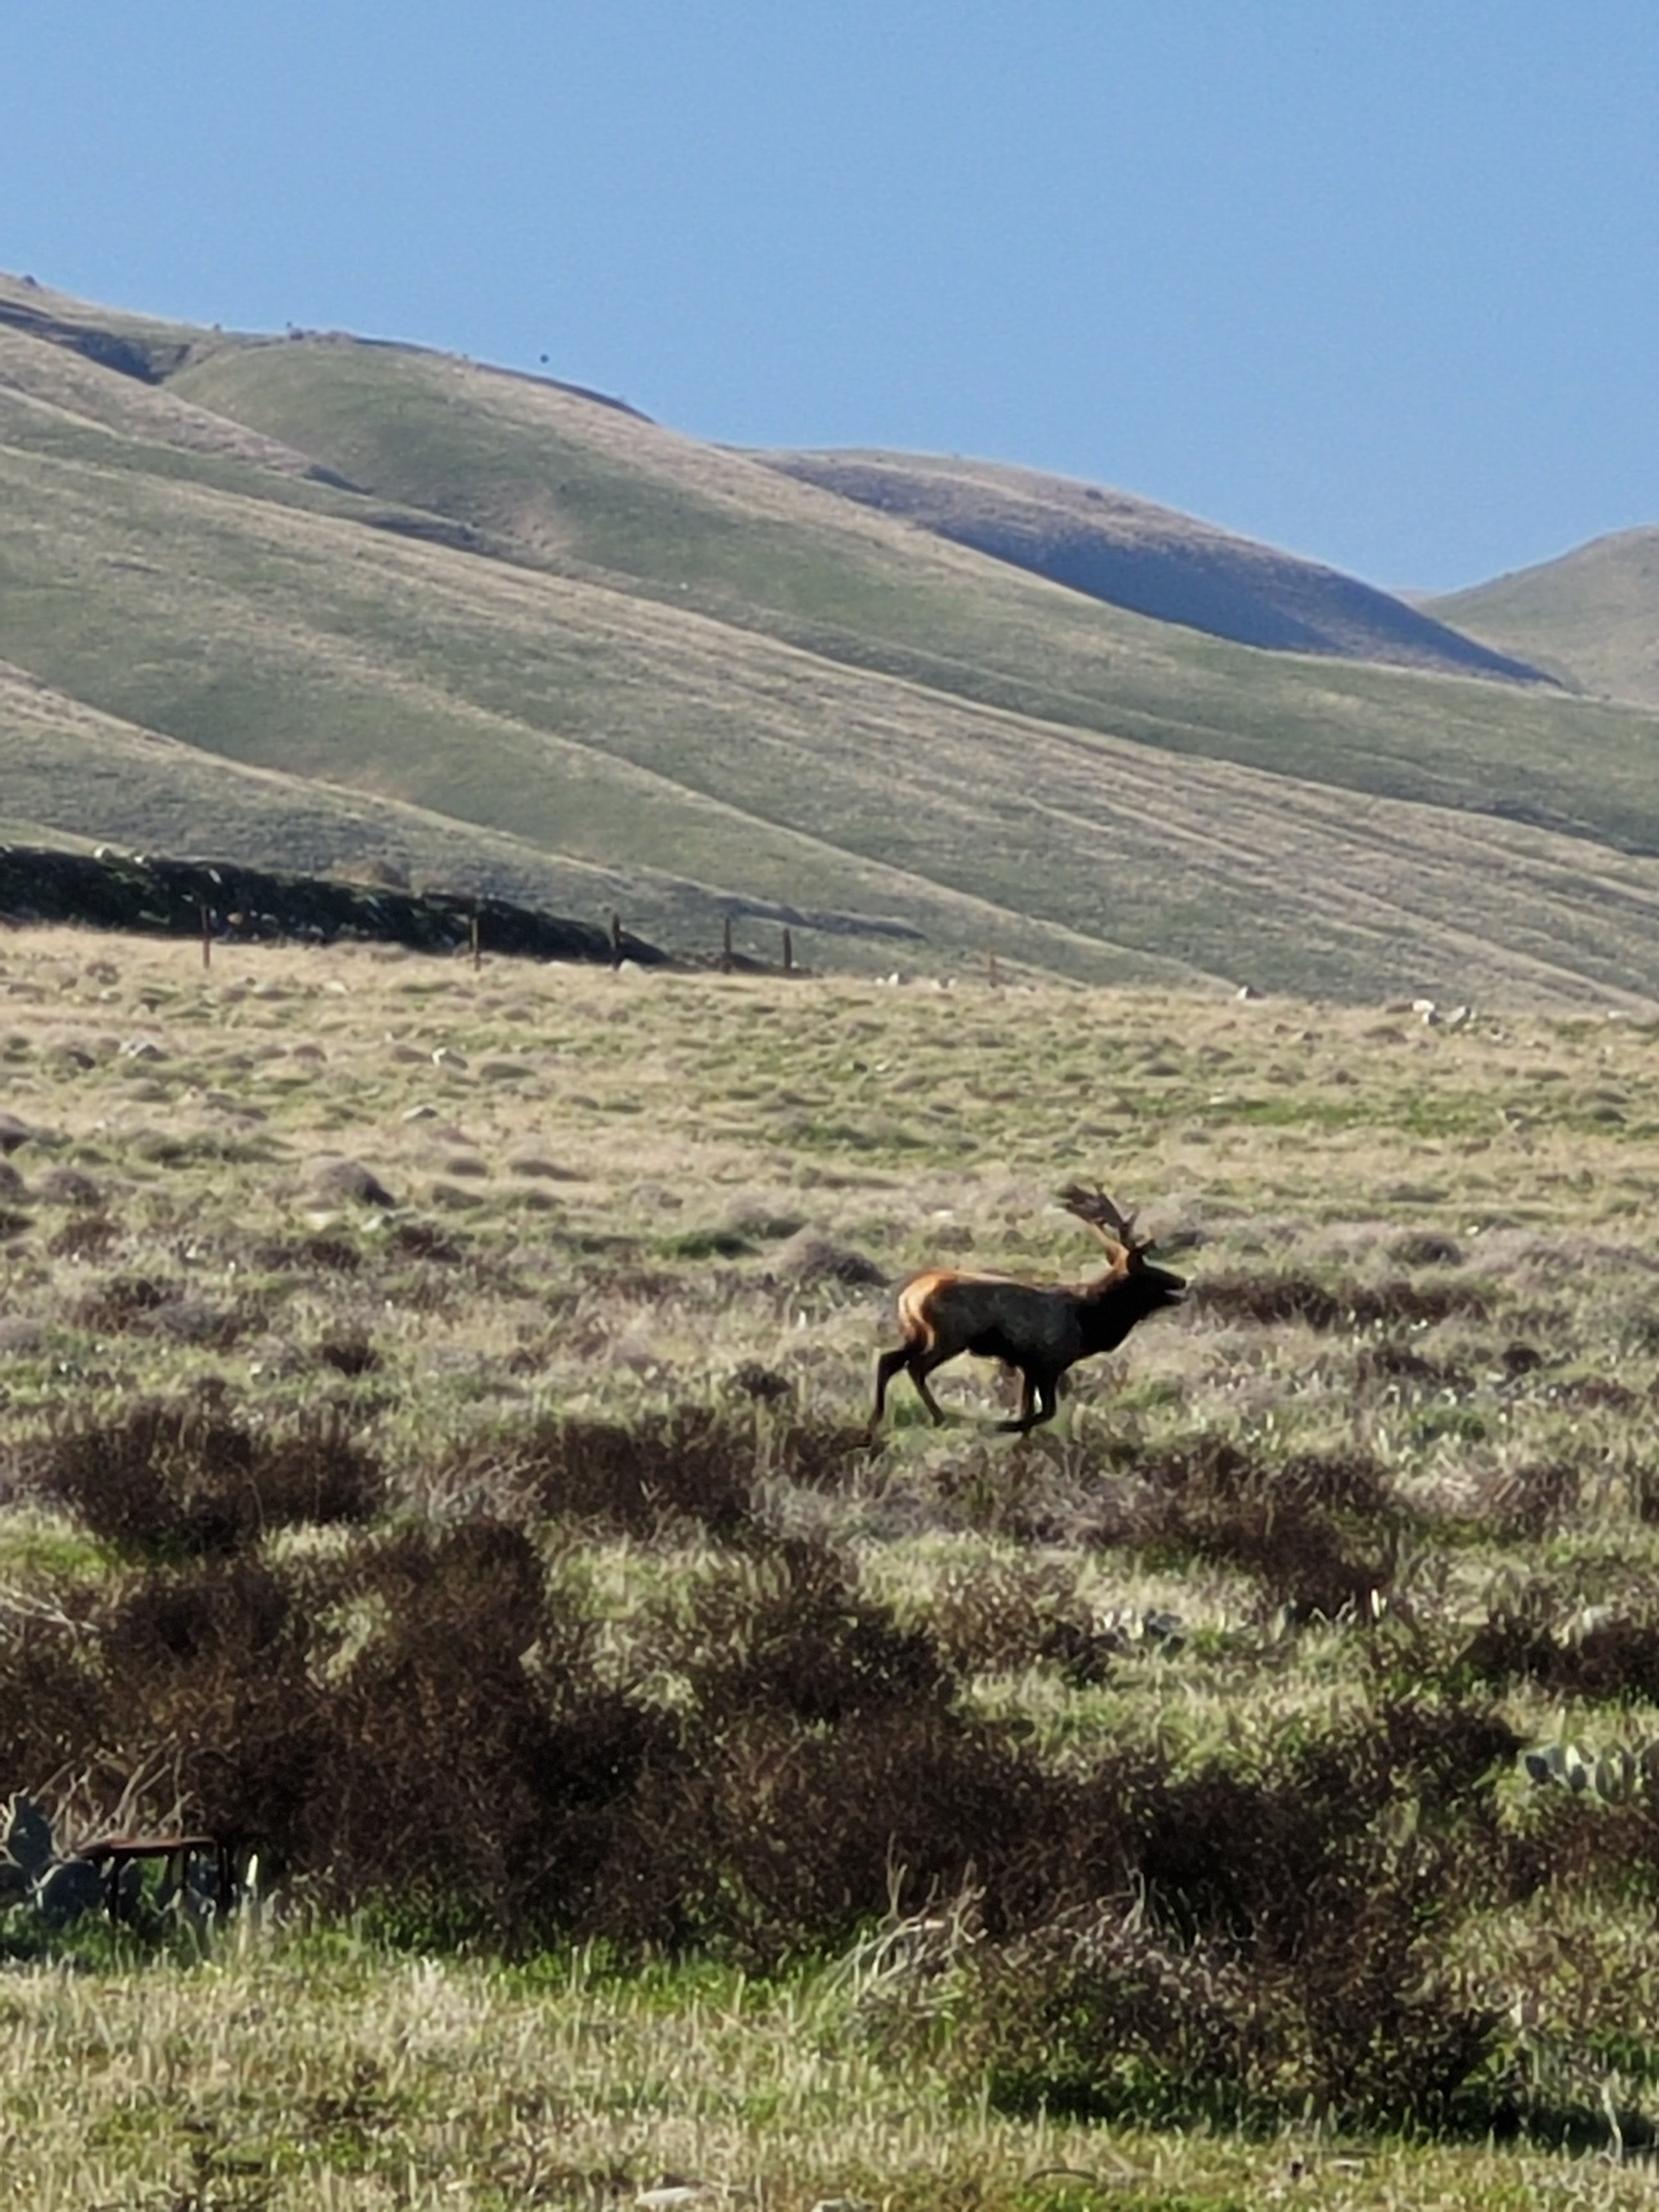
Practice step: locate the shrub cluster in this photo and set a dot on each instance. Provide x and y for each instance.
(433, 1723)
(177, 1481)
(1270, 1299)
(1311, 1530)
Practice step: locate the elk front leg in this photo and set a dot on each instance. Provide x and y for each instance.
(1027, 1399)
(1038, 1399)
(921, 1366)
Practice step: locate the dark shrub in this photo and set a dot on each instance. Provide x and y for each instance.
(88, 1238)
(54, 1695)
(785, 1631)
(1207, 1497)
(1279, 1956)
(324, 1252)
(1613, 1662)
(209, 1691)
(475, 1748)
(1096, 2016)
(348, 1352)
(1396, 1368)
(691, 1464)
(171, 1480)
(795, 1837)
(1535, 1500)
(1269, 1299)
(1426, 1247)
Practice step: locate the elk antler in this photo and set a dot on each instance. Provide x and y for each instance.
(1114, 1227)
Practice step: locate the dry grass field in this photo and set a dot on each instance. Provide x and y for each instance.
(433, 1455)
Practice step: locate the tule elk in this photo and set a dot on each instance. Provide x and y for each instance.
(1037, 1330)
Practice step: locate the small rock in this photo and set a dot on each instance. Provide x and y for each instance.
(764, 1384)
(191, 1321)
(351, 1179)
(12, 1132)
(141, 1048)
(67, 1186)
(810, 1258)
(446, 1056)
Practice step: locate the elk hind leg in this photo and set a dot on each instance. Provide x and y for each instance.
(886, 1367)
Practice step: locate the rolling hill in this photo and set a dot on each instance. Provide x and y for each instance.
(1152, 560)
(1592, 617)
(320, 595)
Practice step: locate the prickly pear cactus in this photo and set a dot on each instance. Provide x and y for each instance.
(34, 1875)
(1613, 1776)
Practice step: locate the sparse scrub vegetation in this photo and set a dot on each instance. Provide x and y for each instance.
(1266, 1749)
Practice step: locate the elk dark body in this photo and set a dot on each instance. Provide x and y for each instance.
(1037, 1330)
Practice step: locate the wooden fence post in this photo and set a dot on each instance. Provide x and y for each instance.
(207, 937)
(616, 939)
(477, 940)
(726, 946)
(788, 952)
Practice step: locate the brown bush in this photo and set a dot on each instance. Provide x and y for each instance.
(786, 1631)
(1612, 1663)
(691, 1464)
(178, 1479)
(476, 1748)
(320, 1250)
(1535, 1500)
(1277, 1956)
(1208, 1498)
(1271, 1299)
(54, 1695)
(787, 1838)
(210, 1690)
(88, 1238)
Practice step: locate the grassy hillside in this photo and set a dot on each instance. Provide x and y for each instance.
(1150, 559)
(529, 623)
(1593, 616)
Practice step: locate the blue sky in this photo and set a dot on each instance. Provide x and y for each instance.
(1376, 280)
